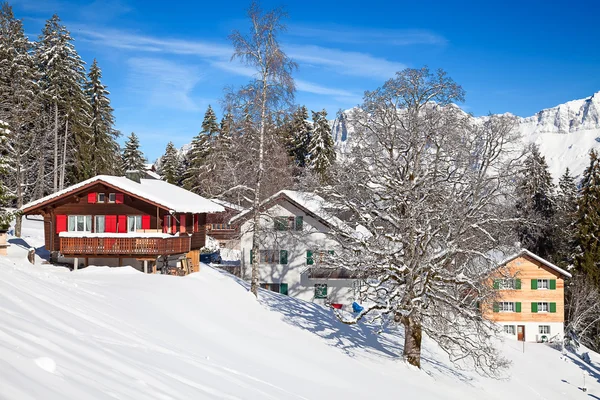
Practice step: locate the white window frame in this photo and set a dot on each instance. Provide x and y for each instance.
(73, 221)
(96, 224)
(506, 306)
(544, 329)
(136, 220)
(543, 284)
(113, 196)
(541, 305)
(103, 200)
(510, 329)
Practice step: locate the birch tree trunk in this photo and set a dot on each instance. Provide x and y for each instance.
(64, 157)
(20, 182)
(412, 341)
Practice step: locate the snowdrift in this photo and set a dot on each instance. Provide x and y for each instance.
(115, 333)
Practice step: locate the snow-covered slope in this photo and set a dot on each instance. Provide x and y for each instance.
(565, 133)
(115, 333)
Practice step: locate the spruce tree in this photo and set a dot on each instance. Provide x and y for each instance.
(321, 151)
(133, 159)
(5, 196)
(565, 220)
(105, 159)
(170, 165)
(300, 137)
(225, 136)
(587, 259)
(199, 162)
(535, 205)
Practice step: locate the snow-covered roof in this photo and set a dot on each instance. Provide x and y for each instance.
(228, 204)
(525, 252)
(170, 197)
(311, 202)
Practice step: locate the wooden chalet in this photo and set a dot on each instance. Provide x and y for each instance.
(218, 225)
(110, 217)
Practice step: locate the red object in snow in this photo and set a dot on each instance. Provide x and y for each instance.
(337, 306)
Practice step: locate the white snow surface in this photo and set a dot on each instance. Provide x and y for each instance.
(169, 196)
(115, 333)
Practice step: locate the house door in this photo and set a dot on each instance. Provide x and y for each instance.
(521, 333)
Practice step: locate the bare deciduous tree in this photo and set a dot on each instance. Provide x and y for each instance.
(272, 87)
(428, 190)
(582, 309)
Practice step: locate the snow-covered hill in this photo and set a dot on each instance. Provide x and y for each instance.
(115, 333)
(565, 133)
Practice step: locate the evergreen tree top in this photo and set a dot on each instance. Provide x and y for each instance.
(210, 126)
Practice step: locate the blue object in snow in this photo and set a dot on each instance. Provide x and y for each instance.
(357, 307)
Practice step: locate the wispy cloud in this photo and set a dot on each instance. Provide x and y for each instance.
(352, 35)
(164, 83)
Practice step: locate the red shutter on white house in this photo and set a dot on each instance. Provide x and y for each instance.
(92, 198)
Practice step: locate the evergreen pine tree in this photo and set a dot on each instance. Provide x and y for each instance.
(105, 159)
(300, 137)
(587, 259)
(199, 163)
(170, 165)
(565, 220)
(225, 136)
(5, 196)
(133, 159)
(535, 205)
(321, 151)
(62, 80)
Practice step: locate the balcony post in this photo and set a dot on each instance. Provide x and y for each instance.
(75, 264)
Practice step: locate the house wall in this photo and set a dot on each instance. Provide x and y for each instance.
(312, 237)
(526, 268)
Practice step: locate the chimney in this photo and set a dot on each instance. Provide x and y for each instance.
(133, 175)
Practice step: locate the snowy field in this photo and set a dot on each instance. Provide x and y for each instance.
(115, 333)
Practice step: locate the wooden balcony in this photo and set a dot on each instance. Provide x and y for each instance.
(124, 246)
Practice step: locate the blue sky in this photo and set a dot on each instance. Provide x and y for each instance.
(164, 62)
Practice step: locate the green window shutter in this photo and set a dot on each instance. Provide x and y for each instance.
(283, 257)
(331, 252)
(534, 307)
(496, 284)
(553, 307)
(496, 307)
(320, 291)
(309, 257)
(518, 306)
(518, 284)
(299, 223)
(552, 284)
(283, 288)
(534, 284)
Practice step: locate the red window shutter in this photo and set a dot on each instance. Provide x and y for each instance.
(182, 227)
(110, 224)
(122, 224)
(196, 222)
(92, 198)
(173, 225)
(119, 198)
(165, 223)
(145, 222)
(61, 223)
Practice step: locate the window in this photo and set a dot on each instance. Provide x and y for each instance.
(288, 223)
(543, 284)
(100, 226)
(273, 257)
(544, 329)
(318, 256)
(80, 223)
(112, 197)
(506, 306)
(216, 227)
(509, 329)
(134, 222)
(276, 287)
(320, 291)
(101, 197)
(507, 284)
(542, 307)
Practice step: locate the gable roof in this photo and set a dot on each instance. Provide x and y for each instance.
(158, 192)
(312, 204)
(227, 204)
(525, 252)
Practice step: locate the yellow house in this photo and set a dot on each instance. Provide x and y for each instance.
(531, 304)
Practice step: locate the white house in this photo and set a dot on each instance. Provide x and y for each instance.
(294, 244)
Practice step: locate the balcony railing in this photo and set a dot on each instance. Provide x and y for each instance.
(123, 246)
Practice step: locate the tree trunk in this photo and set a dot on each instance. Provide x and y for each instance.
(64, 157)
(55, 147)
(20, 183)
(412, 341)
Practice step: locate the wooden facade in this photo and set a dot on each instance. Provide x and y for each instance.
(218, 226)
(526, 295)
(187, 230)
